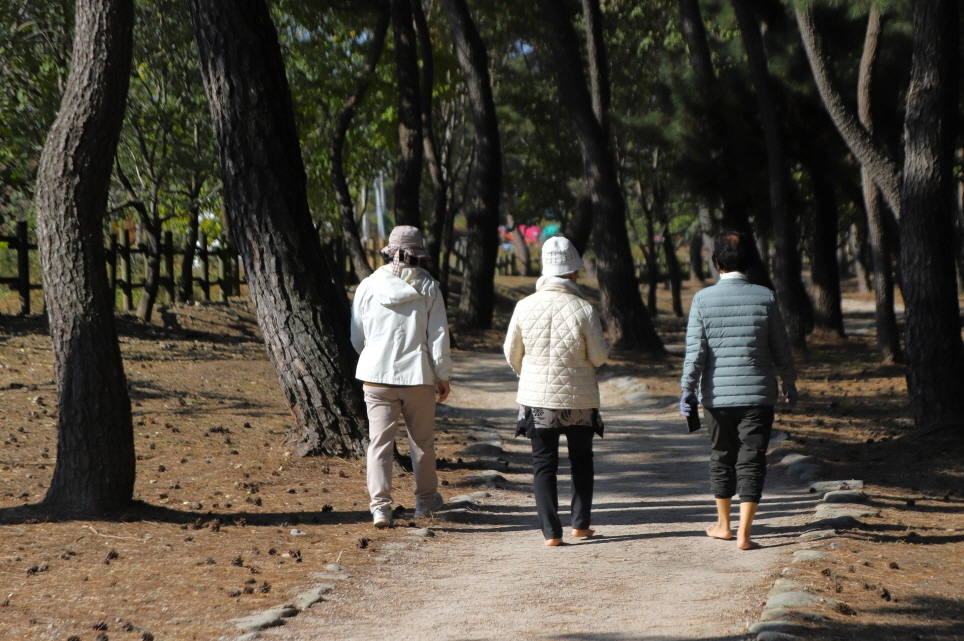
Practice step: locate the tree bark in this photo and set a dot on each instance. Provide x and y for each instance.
(935, 353)
(791, 294)
(888, 336)
(95, 439)
(675, 277)
(598, 63)
(723, 132)
(408, 173)
(869, 151)
(579, 228)
(436, 224)
(629, 325)
(824, 271)
(302, 313)
(346, 204)
(186, 281)
(477, 301)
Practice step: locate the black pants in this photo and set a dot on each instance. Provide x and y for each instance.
(545, 464)
(740, 437)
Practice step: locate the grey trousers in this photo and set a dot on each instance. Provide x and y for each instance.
(417, 405)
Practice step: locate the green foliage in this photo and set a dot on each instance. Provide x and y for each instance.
(35, 45)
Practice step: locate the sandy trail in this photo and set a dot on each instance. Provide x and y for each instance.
(651, 573)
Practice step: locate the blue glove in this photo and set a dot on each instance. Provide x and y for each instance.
(791, 394)
(686, 403)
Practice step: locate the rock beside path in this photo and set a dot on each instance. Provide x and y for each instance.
(827, 486)
(797, 600)
(818, 534)
(786, 627)
(845, 496)
(267, 619)
(307, 599)
(488, 478)
(832, 510)
(785, 585)
(480, 450)
(802, 556)
(328, 576)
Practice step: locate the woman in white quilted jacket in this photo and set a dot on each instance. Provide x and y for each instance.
(555, 343)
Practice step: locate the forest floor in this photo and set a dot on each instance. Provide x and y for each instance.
(226, 509)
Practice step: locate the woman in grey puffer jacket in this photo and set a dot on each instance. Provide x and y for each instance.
(736, 345)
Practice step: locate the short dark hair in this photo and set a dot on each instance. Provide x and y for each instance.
(733, 252)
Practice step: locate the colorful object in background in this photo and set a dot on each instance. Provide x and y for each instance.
(549, 231)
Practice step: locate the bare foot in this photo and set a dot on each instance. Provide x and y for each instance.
(717, 531)
(553, 542)
(583, 534)
(746, 544)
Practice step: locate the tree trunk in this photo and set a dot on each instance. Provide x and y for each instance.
(598, 63)
(152, 269)
(731, 185)
(824, 271)
(519, 246)
(629, 325)
(888, 336)
(675, 278)
(302, 313)
(861, 272)
(579, 228)
(696, 253)
(95, 438)
(408, 172)
(346, 204)
(436, 225)
(791, 294)
(935, 353)
(869, 151)
(186, 281)
(477, 302)
(652, 264)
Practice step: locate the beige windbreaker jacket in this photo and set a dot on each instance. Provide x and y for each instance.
(554, 343)
(399, 329)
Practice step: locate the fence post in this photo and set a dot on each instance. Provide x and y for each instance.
(205, 270)
(168, 250)
(112, 269)
(126, 270)
(23, 267)
(223, 272)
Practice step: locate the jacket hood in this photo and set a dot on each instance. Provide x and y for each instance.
(394, 291)
(558, 284)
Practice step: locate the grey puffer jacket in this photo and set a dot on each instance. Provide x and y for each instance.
(736, 345)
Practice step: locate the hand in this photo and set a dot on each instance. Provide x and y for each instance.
(790, 393)
(443, 391)
(687, 402)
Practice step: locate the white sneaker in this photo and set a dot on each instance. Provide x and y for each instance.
(383, 517)
(425, 507)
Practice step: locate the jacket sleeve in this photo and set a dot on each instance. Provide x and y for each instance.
(357, 320)
(697, 349)
(438, 334)
(597, 347)
(513, 348)
(779, 343)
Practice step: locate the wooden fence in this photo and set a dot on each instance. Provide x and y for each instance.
(120, 256)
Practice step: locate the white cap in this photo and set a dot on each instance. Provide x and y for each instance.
(559, 257)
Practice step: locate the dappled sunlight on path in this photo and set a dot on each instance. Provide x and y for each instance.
(650, 573)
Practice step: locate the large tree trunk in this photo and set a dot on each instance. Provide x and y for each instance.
(791, 294)
(302, 314)
(598, 63)
(629, 325)
(824, 271)
(888, 337)
(869, 151)
(477, 302)
(935, 354)
(346, 204)
(408, 172)
(731, 185)
(436, 224)
(95, 439)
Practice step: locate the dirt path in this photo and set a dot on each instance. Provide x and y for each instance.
(651, 573)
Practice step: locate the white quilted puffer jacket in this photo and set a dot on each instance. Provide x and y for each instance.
(555, 343)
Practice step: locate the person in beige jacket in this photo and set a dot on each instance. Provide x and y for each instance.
(554, 343)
